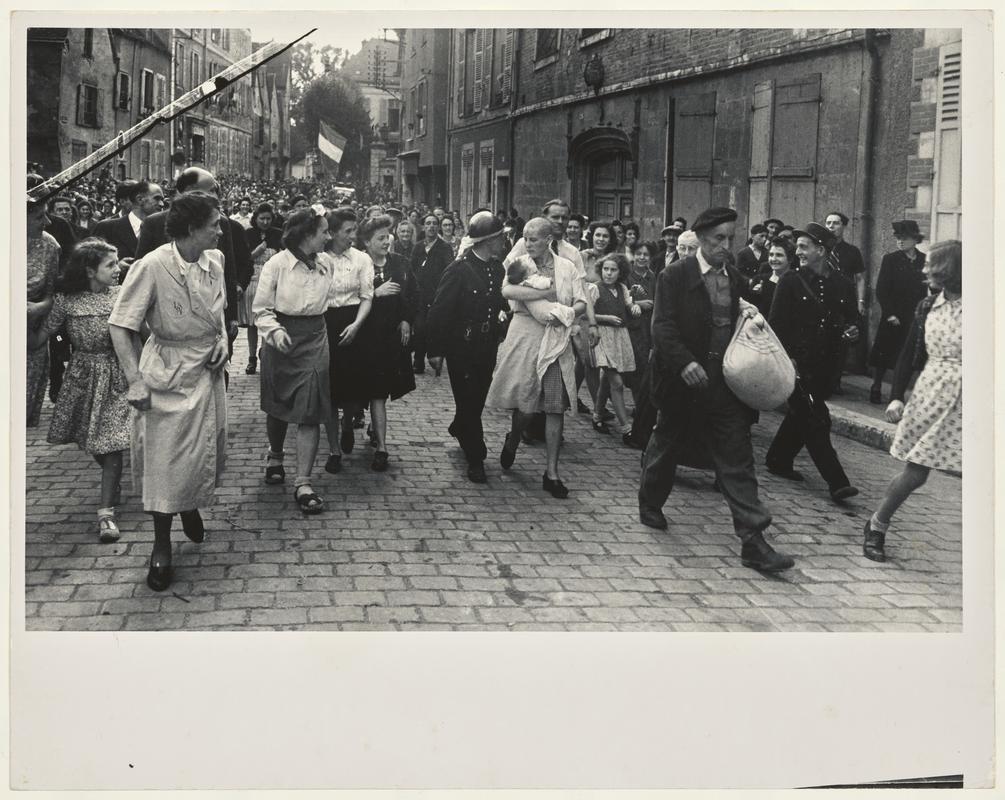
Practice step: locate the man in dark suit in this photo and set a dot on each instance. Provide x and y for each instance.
(430, 258)
(144, 199)
(697, 306)
(237, 267)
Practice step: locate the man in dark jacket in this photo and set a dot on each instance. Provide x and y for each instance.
(237, 266)
(463, 324)
(752, 260)
(813, 313)
(697, 306)
(144, 199)
(430, 258)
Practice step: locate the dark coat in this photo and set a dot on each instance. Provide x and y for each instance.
(682, 329)
(118, 232)
(237, 264)
(428, 267)
(810, 323)
(62, 231)
(273, 238)
(899, 288)
(463, 321)
(749, 265)
(914, 354)
(391, 362)
(849, 259)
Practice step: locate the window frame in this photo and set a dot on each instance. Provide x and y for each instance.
(546, 59)
(119, 76)
(598, 35)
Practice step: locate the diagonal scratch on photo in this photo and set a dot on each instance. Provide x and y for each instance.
(493, 329)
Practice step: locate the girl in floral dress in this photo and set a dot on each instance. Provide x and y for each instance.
(91, 409)
(930, 433)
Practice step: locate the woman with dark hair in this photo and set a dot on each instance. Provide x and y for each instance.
(349, 304)
(899, 288)
(618, 235)
(85, 219)
(179, 442)
(781, 255)
(632, 235)
(642, 285)
(613, 308)
(264, 241)
(43, 267)
(91, 409)
(601, 235)
(602, 243)
(930, 431)
(447, 233)
(388, 330)
(289, 307)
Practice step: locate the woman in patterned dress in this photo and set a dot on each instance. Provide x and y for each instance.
(43, 267)
(91, 409)
(930, 433)
(264, 241)
(448, 234)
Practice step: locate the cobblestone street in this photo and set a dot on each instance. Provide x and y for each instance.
(419, 547)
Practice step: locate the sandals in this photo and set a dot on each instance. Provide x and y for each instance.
(600, 427)
(274, 473)
(108, 531)
(310, 502)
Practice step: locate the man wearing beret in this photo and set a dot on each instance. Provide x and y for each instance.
(464, 323)
(813, 314)
(698, 302)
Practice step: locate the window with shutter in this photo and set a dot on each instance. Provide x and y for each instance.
(469, 70)
(160, 160)
(694, 137)
(486, 164)
(947, 199)
(88, 51)
(145, 159)
(122, 92)
(462, 40)
(507, 70)
(479, 68)
(87, 105)
(547, 43)
(161, 83)
(760, 151)
(794, 154)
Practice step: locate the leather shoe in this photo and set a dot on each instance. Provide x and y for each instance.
(555, 487)
(876, 396)
(418, 370)
(333, 464)
(508, 455)
(159, 576)
(652, 518)
(582, 408)
(191, 523)
(843, 493)
(789, 474)
(476, 473)
(758, 554)
(630, 441)
(873, 546)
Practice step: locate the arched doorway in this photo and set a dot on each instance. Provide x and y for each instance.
(603, 174)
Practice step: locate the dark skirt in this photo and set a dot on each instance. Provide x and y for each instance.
(295, 385)
(350, 365)
(888, 344)
(390, 364)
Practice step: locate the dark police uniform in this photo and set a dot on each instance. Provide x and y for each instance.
(463, 326)
(809, 314)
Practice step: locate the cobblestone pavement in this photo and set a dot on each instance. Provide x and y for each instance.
(419, 547)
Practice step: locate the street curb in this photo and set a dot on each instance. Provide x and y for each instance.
(860, 428)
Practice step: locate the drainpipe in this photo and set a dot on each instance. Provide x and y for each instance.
(865, 183)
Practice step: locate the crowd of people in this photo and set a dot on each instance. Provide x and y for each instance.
(133, 310)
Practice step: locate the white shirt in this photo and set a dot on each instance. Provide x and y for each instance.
(183, 265)
(243, 219)
(135, 222)
(353, 281)
(704, 266)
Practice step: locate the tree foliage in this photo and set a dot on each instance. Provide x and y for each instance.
(340, 103)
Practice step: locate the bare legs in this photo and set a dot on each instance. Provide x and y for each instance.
(111, 475)
(378, 423)
(308, 437)
(907, 482)
(612, 386)
(554, 424)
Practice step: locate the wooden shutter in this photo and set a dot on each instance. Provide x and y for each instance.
(488, 48)
(694, 138)
(947, 210)
(80, 104)
(479, 67)
(461, 46)
(760, 151)
(507, 73)
(99, 107)
(794, 152)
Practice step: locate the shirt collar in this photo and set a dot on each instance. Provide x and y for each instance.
(941, 300)
(203, 263)
(705, 267)
(135, 221)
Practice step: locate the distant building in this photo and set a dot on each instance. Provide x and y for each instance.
(216, 135)
(270, 108)
(424, 89)
(479, 140)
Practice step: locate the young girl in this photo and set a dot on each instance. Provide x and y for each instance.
(91, 408)
(614, 351)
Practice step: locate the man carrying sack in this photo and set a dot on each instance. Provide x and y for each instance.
(696, 312)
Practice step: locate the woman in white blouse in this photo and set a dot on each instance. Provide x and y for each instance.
(348, 306)
(289, 308)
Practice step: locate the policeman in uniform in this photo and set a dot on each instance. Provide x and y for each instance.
(464, 324)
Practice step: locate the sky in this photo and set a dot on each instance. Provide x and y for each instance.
(347, 33)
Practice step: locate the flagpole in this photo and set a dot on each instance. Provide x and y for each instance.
(245, 66)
